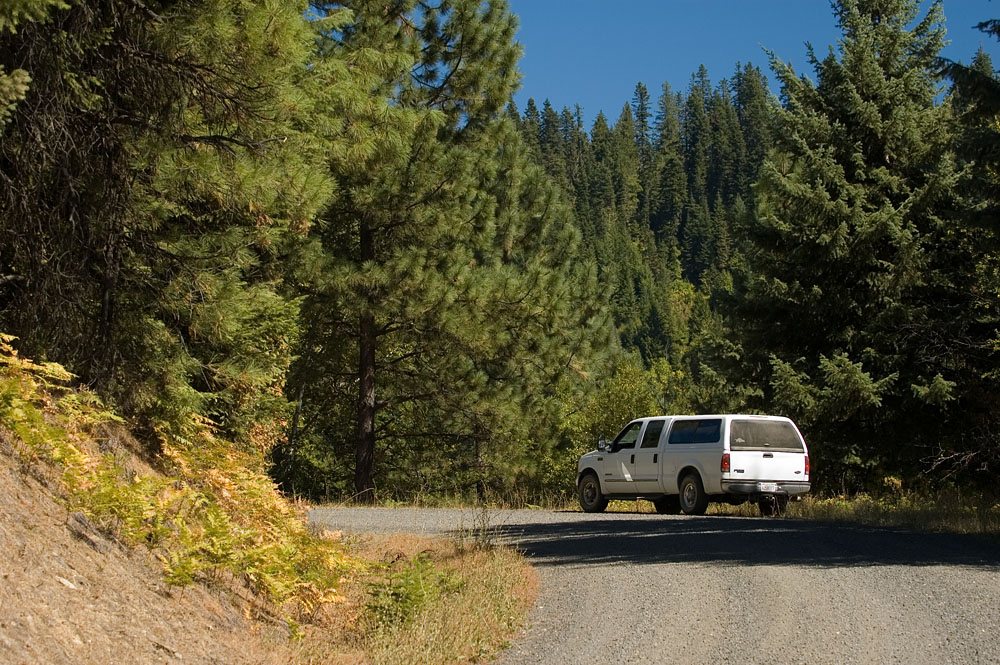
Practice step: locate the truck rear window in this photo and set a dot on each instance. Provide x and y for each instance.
(695, 431)
(764, 435)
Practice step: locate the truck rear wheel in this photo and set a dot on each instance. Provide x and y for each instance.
(693, 499)
(591, 499)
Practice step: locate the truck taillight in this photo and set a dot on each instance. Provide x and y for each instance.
(807, 466)
(724, 467)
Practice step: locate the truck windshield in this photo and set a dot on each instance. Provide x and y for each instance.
(764, 435)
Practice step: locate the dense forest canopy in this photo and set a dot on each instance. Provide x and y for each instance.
(326, 229)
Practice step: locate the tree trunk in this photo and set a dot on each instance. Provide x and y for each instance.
(364, 485)
(105, 346)
(364, 469)
(283, 456)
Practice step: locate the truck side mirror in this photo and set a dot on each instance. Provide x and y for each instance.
(602, 445)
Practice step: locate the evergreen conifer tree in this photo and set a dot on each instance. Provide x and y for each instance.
(849, 210)
(626, 169)
(968, 301)
(696, 133)
(157, 171)
(445, 311)
(756, 109)
(642, 114)
(671, 177)
(553, 145)
(531, 128)
(727, 153)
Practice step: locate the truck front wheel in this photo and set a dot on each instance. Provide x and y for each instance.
(694, 501)
(591, 499)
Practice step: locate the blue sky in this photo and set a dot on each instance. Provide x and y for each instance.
(593, 52)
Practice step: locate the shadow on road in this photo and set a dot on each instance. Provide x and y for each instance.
(731, 540)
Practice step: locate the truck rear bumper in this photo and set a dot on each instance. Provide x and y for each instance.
(752, 488)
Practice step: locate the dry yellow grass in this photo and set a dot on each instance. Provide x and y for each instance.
(491, 591)
(945, 511)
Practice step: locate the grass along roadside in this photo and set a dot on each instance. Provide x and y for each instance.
(945, 511)
(426, 601)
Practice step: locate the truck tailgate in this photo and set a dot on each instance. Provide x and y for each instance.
(756, 465)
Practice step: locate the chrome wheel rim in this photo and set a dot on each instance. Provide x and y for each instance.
(689, 494)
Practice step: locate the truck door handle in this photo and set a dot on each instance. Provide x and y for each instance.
(632, 461)
(654, 458)
(768, 455)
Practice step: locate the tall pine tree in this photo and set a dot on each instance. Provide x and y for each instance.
(843, 257)
(444, 311)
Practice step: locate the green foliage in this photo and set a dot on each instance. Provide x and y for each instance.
(844, 390)
(405, 592)
(794, 394)
(893, 505)
(965, 387)
(24, 396)
(15, 12)
(166, 232)
(321, 231)
(493, 587)
(852, 288)
(937, 393)
(13, 88)
(628, 392)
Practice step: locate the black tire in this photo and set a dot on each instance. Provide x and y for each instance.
(773, 506)
(693, 499)
(668, 505)
(589, 492)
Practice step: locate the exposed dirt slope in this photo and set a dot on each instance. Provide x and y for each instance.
(69, 595)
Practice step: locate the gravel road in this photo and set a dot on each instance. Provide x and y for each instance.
(638, 588)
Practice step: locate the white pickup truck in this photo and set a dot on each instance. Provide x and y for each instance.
(680, 463)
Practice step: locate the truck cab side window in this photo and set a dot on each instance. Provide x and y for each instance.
(651, 438)
(696, 431)
(627, 437)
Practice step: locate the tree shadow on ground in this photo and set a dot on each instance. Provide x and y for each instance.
(744, 541)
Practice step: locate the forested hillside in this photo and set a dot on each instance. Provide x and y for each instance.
(325, 230)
